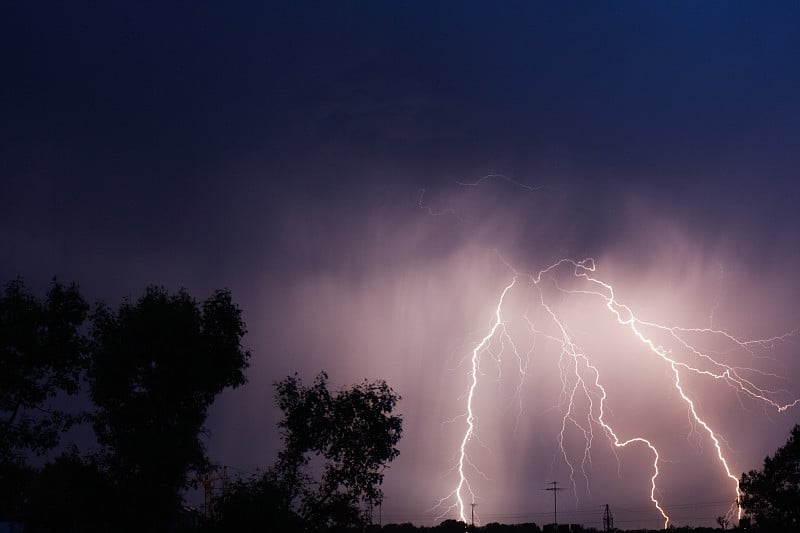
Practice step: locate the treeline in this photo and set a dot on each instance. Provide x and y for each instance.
(453, 526)
(147, 372)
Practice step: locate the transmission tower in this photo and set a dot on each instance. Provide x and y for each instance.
(608, 520)
(209, 482)
(555, 488)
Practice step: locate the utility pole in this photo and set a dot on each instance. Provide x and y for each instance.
(473, 504)
(555, 488)
(608, 520)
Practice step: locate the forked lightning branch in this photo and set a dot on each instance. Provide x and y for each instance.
(584, 400)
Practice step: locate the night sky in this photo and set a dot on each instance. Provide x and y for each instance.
(366, 177)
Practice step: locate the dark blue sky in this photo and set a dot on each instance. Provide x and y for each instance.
(276, 148)
(125, 110)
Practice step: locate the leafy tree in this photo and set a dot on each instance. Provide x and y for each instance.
(405, 527)
(251, 504)
(16, 481)
(771, 496)
(71, 494)
(355, 434)
(156, 367)
(42, 354)
(452, 526)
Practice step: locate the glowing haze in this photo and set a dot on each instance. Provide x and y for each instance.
(636, 377)
(583, 398)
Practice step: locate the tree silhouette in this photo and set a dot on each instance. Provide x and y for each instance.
(771, 496)
(156, 367)
(71, 493)
(42, 354)
(452, 526)
(254, 504)
(355, 434)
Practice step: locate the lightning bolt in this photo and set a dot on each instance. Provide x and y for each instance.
(580, 378)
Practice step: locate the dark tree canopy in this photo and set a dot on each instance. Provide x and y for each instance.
(156, 367)
(255, 504)
(72, 493)
(353, 430)
(42, 354)
(771, 496)
(351, 436)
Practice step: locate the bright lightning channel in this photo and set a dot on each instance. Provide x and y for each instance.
(580, 377)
